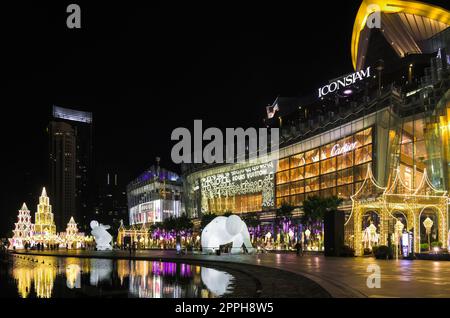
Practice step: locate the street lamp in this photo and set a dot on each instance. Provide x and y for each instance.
(428, 224)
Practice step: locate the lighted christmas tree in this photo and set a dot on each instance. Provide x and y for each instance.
(72, 229)
(44, 228)
(23, 230)
(72, 238)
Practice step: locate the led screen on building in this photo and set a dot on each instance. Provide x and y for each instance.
(72, 114)
(239, 191)
(154, 211)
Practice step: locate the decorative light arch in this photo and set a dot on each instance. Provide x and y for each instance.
(396, 197)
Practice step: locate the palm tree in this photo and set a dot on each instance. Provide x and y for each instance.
(178, 225)
(314, 209)
(283, 214)
(183, 223)
(206, 219)
(253, 222)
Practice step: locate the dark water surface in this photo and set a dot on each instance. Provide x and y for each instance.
(57, 277)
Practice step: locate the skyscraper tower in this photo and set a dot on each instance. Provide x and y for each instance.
(62, 171)
(71, 165)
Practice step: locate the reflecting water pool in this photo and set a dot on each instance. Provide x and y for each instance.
(52, 277)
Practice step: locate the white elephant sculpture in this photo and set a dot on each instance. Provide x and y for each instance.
(102, 237)
(224, 230)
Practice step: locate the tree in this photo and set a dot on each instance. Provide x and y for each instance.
(315, 207)
(283, 214)
(206, 219)
(183, 223)
(252, 221)
(177, 225)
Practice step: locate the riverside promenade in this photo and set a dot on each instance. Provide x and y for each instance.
(339, 277)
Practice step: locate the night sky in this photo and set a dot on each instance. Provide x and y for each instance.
(144, 71)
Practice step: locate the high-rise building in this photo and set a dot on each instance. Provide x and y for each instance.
(71, 165)
(154, 196)
(111, 204)
(62, 170)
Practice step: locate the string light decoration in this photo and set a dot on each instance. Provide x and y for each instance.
(23, 230)
(141, 234)
(257, 180)
(44, 229)
(396, 197)
(72, 238)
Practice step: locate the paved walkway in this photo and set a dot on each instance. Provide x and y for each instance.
(341, 277)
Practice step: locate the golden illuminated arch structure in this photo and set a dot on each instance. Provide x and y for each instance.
(387, 201)
(404, 24)
(139, 234)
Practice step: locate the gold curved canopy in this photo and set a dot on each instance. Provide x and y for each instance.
(404, 24)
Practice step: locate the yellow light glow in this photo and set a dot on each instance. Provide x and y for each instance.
(393, 6)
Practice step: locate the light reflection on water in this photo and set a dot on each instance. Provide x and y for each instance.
(46, 277)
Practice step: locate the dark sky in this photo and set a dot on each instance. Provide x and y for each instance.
(145, 70)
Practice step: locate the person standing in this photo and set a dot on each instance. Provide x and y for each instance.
(299, 248)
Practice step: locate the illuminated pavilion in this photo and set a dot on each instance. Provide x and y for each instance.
(396, 203)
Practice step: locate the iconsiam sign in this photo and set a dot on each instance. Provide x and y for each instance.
(43, 231)
(343, 82)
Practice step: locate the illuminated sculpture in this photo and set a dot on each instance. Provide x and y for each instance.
(72, 238)
(370, 236)
(44, 227)
(224, 230)
(102, 237)
(101, 270)
(43, 231)
(428, 224)
(23, 229)
(73, 276)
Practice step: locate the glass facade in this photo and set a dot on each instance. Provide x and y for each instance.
(336, 168)
(239, 191)
(154, 196)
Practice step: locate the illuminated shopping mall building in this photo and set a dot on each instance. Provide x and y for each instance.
(154, 196)
(382, 130)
